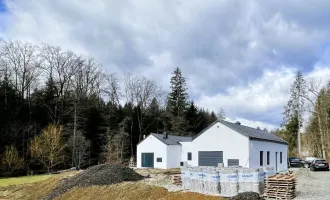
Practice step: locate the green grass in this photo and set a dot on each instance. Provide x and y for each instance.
(22, 180)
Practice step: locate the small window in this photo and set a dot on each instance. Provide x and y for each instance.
(261, 158)
(189, 155)
(159, 159)
(267, 157)
(280, 157)
(233, 162)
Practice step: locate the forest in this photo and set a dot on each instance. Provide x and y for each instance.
(61, 110)
(306, 121)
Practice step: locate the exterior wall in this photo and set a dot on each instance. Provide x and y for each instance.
(257, 146)
(173, 156)
(153, 145)
(219, 138)
(187, 147)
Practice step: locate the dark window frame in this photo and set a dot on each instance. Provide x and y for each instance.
(261, 158)
(268, 158)
(159, 159)
(280, 157)
(189, 156)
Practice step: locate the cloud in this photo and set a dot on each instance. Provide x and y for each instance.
(240, 55)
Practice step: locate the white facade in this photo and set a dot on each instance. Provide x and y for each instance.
(152, 145)
(170, 154)
(215, 138)
(272, 148)
(218, 138)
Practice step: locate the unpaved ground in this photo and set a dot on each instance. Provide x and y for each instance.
(312, 185)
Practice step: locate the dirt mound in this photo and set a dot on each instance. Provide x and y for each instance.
(105, 174)
(246, 196)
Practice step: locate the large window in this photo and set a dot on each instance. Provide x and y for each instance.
(280, 157)
(189, 155)
(261, 158)
(159, 159)
(268, 158)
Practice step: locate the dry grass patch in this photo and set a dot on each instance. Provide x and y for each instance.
(32, 190)
(131, 191)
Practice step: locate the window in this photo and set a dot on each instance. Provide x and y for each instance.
(261, 158)
(233, 162)
(280, 157)
(189, 155)
(267, 157)
(159, 159)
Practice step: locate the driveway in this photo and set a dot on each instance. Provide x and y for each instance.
(312, 185)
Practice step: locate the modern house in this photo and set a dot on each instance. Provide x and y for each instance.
(224, 142)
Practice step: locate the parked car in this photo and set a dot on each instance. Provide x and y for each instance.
(319, 165)
(309, 160)
(295, 162)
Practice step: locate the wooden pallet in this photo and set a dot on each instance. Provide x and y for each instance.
(281, 186)
(177, 180)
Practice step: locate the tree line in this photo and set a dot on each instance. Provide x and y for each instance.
(61, 110)
(311, 98)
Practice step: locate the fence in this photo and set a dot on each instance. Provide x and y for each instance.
(226, 182)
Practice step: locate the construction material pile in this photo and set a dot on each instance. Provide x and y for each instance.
(177, 180)
(281, 186)
(105, 174)
(226, 182)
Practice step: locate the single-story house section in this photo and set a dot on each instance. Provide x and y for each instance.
(160, 151)
(224, 142)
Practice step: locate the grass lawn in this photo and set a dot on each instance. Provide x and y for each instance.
(22, 180)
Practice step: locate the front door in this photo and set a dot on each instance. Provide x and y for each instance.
(147, 159)
(276, 161)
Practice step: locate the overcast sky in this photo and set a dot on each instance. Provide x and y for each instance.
(237, 55)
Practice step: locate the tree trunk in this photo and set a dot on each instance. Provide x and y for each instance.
(321, 135)
(299, 136)
(74, 134)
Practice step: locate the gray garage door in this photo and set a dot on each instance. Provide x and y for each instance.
(210, 158)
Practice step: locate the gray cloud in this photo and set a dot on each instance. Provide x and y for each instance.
(218, 44)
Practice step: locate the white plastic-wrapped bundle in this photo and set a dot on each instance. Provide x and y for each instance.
(214, 182)
(248, 180)
(185, 177)
(269, 171)
(200, 181)
(261, 181)
(193, 179)
(228, 182)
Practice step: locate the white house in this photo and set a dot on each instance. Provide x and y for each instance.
(222, 142)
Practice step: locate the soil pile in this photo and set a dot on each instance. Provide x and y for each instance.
(247, 196)
(99, 175)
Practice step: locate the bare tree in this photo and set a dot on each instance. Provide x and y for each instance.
(116, 147)
(140, 92)
(80, 150)
(85, 84)
(315, 97)
(11, 159)
(221, 115)
(48, 147)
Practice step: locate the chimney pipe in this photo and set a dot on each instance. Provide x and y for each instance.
(144, 136)
(239, 123)
(166, 135)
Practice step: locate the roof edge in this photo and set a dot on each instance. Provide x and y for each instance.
(265, 140)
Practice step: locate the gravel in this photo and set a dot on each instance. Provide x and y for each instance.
(105, 174)
(312, 185)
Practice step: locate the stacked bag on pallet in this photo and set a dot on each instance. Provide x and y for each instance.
(185, 177)
(211, 181)
(228, 182)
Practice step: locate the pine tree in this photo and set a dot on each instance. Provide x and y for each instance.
(192, 118)
(295, 106)
(178, 103)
